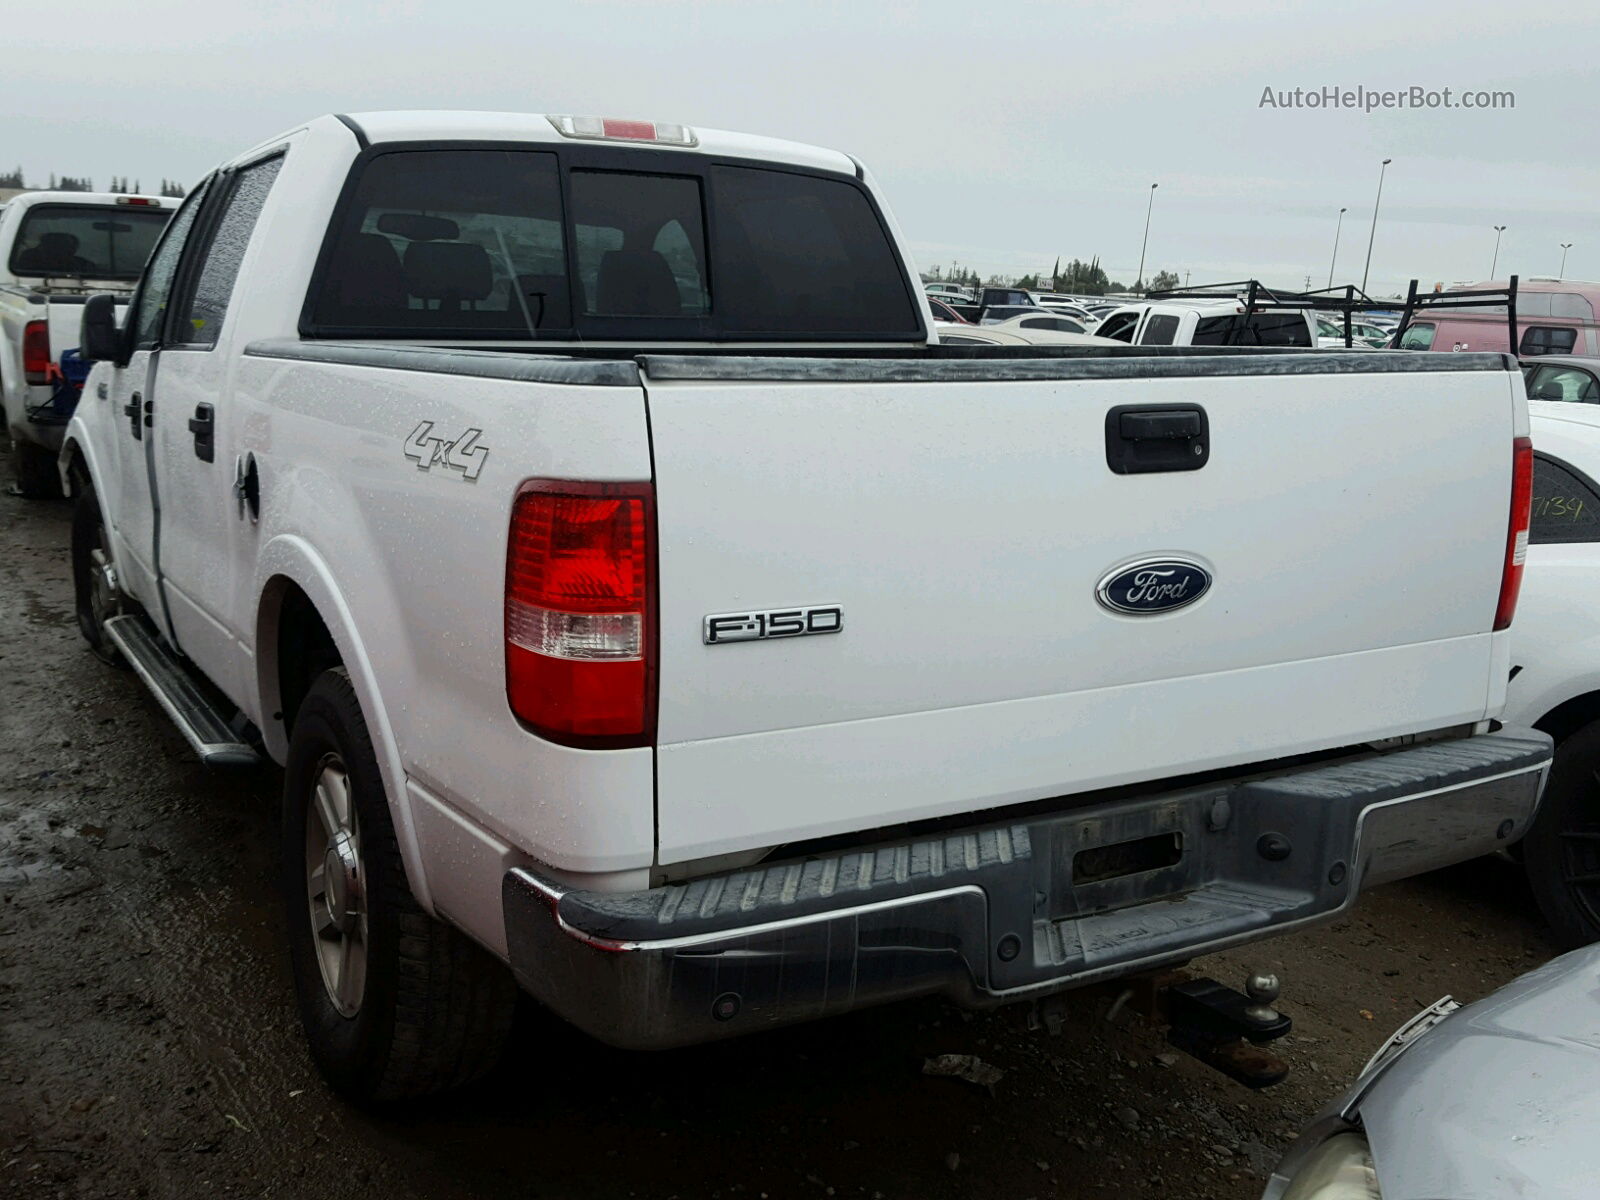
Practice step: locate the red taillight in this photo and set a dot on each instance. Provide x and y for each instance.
(1517, 532)
(580, 654)
(36, 352)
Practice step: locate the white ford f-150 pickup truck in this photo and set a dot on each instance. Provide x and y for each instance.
(646, 608)
(57, 249)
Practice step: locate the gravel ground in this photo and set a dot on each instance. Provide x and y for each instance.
(149, 1047)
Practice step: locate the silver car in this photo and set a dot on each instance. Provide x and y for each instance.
(1494, 1100)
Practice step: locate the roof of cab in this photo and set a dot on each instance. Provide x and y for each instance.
(446, 126)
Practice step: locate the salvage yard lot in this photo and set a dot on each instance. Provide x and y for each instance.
(149, 1044)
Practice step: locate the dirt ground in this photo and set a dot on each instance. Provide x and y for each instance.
(149, 1046)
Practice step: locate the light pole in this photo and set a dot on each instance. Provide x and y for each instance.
(1495, 262)
(1335, 257)
(1139, 282)
(1374, 233)
(1565, 246)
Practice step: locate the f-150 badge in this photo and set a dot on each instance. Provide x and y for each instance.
(774, 623)
(462, 454)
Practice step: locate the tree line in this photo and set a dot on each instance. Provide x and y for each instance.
(1078, 278)
(83, 183)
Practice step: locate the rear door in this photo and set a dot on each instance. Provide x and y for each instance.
(195, 430)
(961, 527)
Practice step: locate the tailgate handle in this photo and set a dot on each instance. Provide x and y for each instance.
(1144, 438)
(1177, 423)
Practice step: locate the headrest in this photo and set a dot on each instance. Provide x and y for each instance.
(448, 271)
(415, 227)
(636, 283)
(368, 273)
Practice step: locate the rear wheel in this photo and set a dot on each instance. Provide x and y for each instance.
(96, 595)
(395, 1004)
(35, 469)
(1562, 850)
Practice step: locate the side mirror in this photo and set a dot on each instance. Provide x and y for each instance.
(99, 339)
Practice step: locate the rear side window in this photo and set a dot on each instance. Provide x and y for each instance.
(1569, 384)
(86, 241)
(484, 244)
(199, 319)
(1119, 326)
(1159, 330)
(1548, 339)
(1565, 506)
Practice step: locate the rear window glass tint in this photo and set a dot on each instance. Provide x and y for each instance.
(1159, 330)
(641, 245)
(451, 241)
(1262, 329)
(801, 254)
(1548, 339)
(86, 241)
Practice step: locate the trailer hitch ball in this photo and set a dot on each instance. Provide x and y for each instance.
(1262, 987)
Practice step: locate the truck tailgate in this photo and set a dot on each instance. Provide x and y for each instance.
(1352, 513)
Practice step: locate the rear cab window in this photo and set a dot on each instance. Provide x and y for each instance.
(528, 243)
(1262, 329)
(88, 241)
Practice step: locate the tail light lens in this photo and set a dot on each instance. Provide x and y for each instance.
(580, 642)
(36, 352)
(1517, 533)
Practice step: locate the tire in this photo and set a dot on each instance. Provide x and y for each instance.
(428, 1010)
(35, 469)
(95, 594)
(1562, 850)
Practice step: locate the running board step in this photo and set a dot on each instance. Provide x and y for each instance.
(196, 717)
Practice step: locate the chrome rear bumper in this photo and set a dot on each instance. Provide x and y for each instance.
(1011, 911)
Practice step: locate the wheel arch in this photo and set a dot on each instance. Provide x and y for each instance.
(302, 614)
(1571, 715)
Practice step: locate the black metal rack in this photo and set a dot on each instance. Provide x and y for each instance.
(1477, 298)
(1256, 296)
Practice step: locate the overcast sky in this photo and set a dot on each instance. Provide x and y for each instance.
(1003, 134)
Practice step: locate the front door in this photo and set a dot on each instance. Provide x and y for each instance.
(128, 478)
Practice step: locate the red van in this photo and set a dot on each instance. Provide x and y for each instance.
(1554, 316)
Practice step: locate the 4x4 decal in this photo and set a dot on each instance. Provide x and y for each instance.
(462, 454)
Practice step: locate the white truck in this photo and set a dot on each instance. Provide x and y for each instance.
(646, 608)
(57, 249)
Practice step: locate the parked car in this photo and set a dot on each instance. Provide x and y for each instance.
(1556, 652)
(948, 291)
(1493, 1099)
(994, 314)
(1000, 335)
(943, 312)
(1050, 320)
(56, 248)
(1554, 316)
(631, 661)
(1563, 377)
(1207, 323)
(1330, 334)
(1064, 304)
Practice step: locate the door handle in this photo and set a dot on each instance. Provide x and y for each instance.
(131, 411)
(1144, 438)
(204, 429)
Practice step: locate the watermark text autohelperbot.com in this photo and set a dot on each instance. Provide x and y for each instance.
(1363, 99)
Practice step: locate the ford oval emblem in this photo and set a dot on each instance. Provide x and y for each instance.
(1158, 585)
